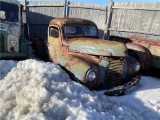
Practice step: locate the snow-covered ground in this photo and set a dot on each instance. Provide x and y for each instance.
(36, 90)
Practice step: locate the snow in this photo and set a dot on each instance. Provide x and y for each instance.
(37, 90)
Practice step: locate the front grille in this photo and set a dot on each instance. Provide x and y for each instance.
(1, 43)
(113, 73)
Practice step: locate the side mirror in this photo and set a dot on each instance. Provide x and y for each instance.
(24, 17)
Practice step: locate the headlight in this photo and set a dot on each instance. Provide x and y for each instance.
(91, 75)
(12, 42)
(136, 67)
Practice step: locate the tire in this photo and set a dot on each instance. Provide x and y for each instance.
(40, 49)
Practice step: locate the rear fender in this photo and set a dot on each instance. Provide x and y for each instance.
(143, 54)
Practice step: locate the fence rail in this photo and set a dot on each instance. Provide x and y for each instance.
(135, 19)
(46, 4)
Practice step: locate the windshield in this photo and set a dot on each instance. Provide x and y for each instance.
(80, 31)
(8, 12)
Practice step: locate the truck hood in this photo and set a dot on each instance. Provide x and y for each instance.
(97, 47)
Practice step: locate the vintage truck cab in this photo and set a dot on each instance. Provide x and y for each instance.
(12, 43)
(98, 64)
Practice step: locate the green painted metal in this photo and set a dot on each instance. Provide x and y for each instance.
(13, 55)
(12, 31)
(24, 46)
(98, 47)
(5, 34)
(23, 52)
(75, 65)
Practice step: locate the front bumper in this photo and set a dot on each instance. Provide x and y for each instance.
(122, 88)
(4, 55)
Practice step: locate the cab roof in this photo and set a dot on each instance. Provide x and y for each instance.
(62, 21)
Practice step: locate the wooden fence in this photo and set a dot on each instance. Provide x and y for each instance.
(134, 19)
(40, 14)
(123, 19)
(95, 13)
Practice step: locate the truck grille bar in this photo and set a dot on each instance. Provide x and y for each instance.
(113, 73)
(1, 42)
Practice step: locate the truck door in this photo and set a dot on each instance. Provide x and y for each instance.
(54, 44)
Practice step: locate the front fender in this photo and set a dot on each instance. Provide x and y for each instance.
(144, 55)
(77, 68)
(128, 70)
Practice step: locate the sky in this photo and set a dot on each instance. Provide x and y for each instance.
(101, 2)
(46, 92)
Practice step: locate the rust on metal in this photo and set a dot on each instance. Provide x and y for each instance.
(120, 89)
(62, 21)
(93, 62)
(114, 73)
(144, 56)
(1, 42)
(98, 47)
(153, 46)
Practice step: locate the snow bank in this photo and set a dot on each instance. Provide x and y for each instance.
(5, 67)
(144, 98)
(43, 91)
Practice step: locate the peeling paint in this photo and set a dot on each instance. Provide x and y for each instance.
(153, 46)
(98, 47)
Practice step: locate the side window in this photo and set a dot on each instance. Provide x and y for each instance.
(54, 32)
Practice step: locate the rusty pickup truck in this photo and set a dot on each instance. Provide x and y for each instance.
(98, 64)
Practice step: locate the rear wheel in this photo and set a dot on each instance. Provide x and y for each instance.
(40, 49)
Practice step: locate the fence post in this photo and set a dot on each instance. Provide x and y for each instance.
(27, 17)
(25, 4)
(65, 1)
(109, 18)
